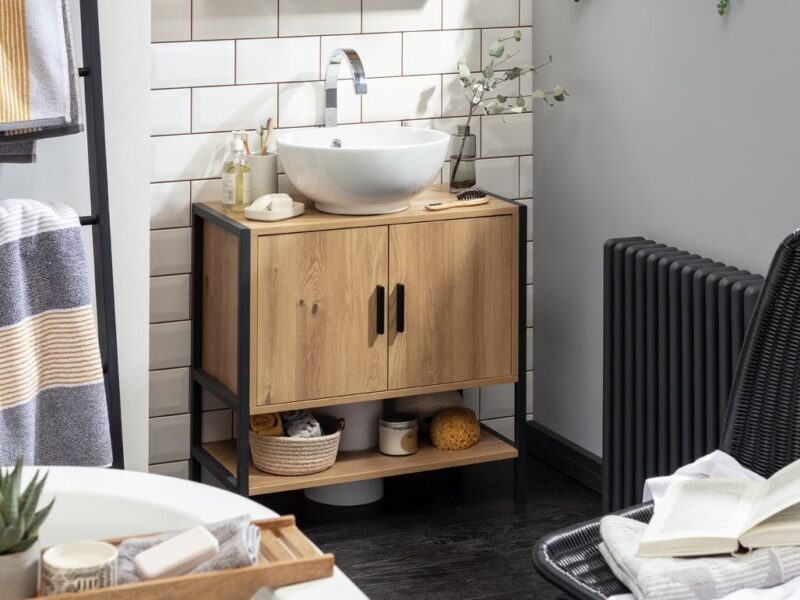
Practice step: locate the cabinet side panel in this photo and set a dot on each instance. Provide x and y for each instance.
(220, 308)
(458, 279)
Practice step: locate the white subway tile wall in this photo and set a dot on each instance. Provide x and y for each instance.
(219, 65)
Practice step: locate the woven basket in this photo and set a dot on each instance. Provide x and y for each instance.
(298, 456)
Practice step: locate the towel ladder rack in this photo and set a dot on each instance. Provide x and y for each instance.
(99, 220)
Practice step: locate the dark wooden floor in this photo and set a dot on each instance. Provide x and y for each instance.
(452, 535)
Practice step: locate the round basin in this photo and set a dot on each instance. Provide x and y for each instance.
(362, 170)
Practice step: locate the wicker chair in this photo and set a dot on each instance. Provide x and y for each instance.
(762, 427)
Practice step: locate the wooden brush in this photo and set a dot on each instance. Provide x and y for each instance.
(473, 197)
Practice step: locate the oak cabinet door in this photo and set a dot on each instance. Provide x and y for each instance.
(317, 318)
(452, 286)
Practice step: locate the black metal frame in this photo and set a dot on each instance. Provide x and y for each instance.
(239, 402)
(100, 221)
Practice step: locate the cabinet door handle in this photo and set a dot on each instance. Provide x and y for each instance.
(401, 308)
(380, 297)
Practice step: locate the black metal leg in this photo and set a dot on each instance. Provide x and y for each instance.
(196, 434)
(243, 421)
(196, 406)
(520, 388)
(100, 220)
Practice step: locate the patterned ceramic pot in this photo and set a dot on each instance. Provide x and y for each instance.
(79, 566)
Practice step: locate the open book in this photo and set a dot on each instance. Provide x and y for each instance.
(717, 516)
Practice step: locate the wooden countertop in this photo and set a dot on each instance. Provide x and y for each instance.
(314, 220)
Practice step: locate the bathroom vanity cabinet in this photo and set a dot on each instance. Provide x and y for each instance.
(326, 309)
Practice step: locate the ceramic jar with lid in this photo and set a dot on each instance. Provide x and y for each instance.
(399, 434)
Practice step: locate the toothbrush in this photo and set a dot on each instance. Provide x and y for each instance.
(270, 125)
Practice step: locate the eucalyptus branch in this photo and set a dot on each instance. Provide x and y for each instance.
(491, 76)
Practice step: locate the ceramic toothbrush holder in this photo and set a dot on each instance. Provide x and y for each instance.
(263, 175)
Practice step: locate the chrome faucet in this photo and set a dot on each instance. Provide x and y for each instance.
(353, 60)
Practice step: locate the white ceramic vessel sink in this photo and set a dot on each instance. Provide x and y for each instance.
(362, 170)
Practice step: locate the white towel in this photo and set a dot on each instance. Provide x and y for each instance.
(716, 464)
(38, 86)
(705, 578)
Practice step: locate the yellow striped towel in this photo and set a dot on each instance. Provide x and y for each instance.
(38, 85)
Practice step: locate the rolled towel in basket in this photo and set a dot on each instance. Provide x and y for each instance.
(238, 539)
(301, 423)
(269, 424)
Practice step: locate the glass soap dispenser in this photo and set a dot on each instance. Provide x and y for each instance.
(236, 176)
(463, 151)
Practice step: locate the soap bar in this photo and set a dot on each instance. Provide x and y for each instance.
(177, 555)
(281, 202)
(262, 203)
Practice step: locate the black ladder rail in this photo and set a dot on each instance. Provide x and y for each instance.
(100, 221)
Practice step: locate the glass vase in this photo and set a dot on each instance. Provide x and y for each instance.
(463, 151)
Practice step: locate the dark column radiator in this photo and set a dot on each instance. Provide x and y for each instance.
(674, 323)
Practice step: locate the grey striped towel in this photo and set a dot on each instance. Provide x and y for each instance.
(52, 396)
(38, 79)
(702, 578)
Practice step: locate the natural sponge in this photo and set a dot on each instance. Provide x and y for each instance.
(455, 428)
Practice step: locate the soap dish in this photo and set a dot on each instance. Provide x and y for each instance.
(298, 208)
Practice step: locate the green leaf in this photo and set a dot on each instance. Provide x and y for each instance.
(521, 101)
(23, 499)
(28, 507)
(23, 545)
(38, 519)
(488, 72)
(516, 109)
(463, 71)
(497, 49)
(517, 35)
(11, 536)
(502, 99)
(10, 505)
(538, 95)
(496, 108)
(559, 90)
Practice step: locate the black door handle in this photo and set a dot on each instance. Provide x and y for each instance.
(401, 308)
(380, 297)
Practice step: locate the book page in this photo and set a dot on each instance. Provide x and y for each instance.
(782, 491)
(781, 529)
(704, 508)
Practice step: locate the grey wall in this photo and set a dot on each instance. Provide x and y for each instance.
(682, 126)
(61, 173)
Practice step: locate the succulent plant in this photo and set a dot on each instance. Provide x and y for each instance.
(19, 519)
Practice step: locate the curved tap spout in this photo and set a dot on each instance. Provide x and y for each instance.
(353, 60)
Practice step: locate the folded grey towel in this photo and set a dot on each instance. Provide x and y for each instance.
(300, 423)
(40, 98)
(239, 542)
(702, 578)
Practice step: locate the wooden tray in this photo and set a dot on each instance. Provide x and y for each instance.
(287, 557)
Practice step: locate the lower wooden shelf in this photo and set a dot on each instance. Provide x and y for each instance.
(367, 464)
